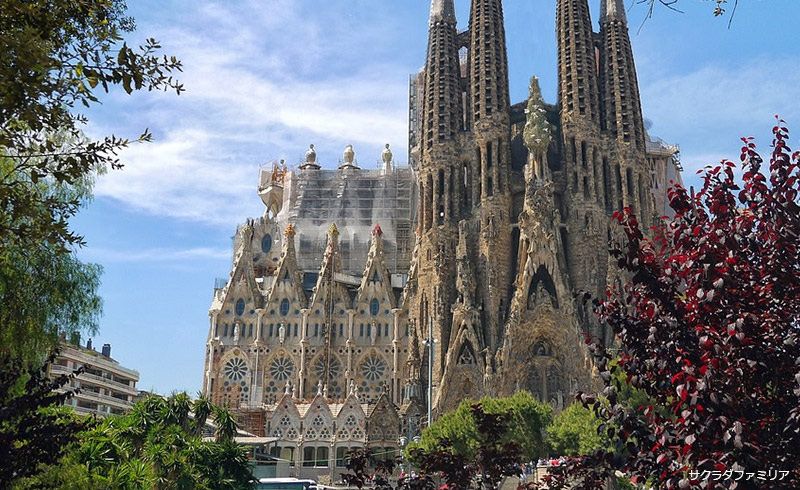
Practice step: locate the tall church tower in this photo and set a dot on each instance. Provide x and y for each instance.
(584, 148)
(439, 197)
(464, 208)
(489, 105)
(622, 111)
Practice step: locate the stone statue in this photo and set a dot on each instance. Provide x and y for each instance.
(282, 333)
(465, 281)
(386, 156)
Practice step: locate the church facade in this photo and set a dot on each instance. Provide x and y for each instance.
(364, 287)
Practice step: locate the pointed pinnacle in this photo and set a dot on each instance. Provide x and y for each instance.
(442, 10)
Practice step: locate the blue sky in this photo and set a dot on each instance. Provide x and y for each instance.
(266, 78)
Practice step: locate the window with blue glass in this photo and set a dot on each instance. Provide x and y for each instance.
(386, 330)
(266, 243)
(374, 306)
(239, 307)
(316, 330)
(285, 307)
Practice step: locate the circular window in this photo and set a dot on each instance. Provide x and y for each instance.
(335, 368)
(266, 243)
(236, 369)
(374, 306)
(285, 307)
(373, 368)
(281, 369)
(240, 307)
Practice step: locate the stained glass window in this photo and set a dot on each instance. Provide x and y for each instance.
(373, 368)
(374, 306)
(239, 307)
(266, 243)
(235, 369)
(285, 307)
(281, 368)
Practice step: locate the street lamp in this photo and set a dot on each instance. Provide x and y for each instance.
(430, 343)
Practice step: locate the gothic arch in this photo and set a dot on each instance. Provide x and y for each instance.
(542, 282)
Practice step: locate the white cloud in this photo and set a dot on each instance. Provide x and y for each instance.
(106, 255)
(256, 90)
(707, 111)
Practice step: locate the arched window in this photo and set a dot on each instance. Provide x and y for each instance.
(284, 307)
(266, 243)
(374, 306)
(239, 307)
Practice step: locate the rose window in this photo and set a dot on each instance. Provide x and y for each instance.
(335, 368)
(373, 368)
(236, 369)
(281, 369)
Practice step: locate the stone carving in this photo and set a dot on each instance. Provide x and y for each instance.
(539, 296)
(386, 156)
(538, 131)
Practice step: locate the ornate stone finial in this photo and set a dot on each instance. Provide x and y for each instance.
(311, 159)
(287, 388)
(386, 155)
(349, 155)
(612, 10)
(538, 130)
(442, 10)
(333, 230)
(311, 155)
(289, 231)
(293, 391)
(352, 389)
(325, 391)
(376, 230)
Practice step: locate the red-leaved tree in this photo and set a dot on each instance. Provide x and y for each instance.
(709, 327)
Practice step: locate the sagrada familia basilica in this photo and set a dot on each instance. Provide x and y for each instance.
(362, 297)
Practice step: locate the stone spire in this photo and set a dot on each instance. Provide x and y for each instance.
(577, 69)
(442, 10)
(622, 110)
(488, 63)
(442, 93)
(611, 10)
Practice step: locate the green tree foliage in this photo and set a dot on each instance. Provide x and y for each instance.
(575, 431)
(496, 458)
(33, 428)
(710, 330)
(54, 56)
(528, 418)
(158, 445)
